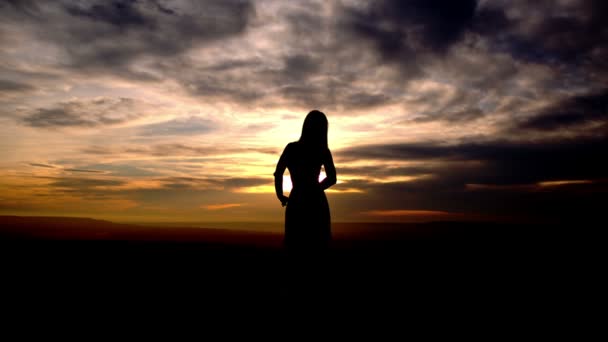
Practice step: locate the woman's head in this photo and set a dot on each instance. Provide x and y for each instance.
(314, 130)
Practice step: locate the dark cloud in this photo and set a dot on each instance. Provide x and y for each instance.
(497, 162)
(385, 171)
(468, 41)
(42, 165)
(541, 180)
(239, 88)
(111, 34)
(317, 69)
(407, 34)
(304, 21)
(326, 58)
(454, 114)
(459, 106)
(85, 187)
(105, 187)
(12, 86)
(177, 150)
(538, 31)
(400, 28)
(570, 113)
(97, 150)
(173, 150)
(255, 81)
(84, 183)
(572, 32)
(211, 183)
(363, 100)
(56, 117)
(181, 126)
(123, 169)
(99, 112)
(300, 66)
(123, 14)
(576, 202)
(241, 182)
(83, 170)
(65, 169)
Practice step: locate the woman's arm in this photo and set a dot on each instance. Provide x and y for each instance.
(330, 171)
(278, 177)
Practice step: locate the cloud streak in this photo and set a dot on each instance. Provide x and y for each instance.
(98, 112)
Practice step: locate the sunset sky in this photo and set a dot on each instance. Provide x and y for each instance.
(178, 110)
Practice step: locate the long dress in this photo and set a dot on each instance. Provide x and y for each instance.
(307, 217)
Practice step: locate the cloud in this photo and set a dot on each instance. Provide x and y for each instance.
(171, 150)
(326, 50)
(500, 201)
(558, 179)
(64, 169)
(83, 170)
(125, 187)
(84, 187)
(178, 150)
(179, 127)
(495, 161)
(326, 55)
(125, 169)
(566, 32)
(399, 29)
(444, 103)
(42, 165)
(86, 113)
(8, 86)
(541, 31)
(84, 183)
(385, 170)
(569, 113)
(112, 34)
(211, 183)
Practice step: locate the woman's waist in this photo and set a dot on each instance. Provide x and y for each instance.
(307, 187)
(306, 184)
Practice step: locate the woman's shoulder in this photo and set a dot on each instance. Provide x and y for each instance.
(292, 145)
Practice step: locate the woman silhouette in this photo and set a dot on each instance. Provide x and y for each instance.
(307, 218)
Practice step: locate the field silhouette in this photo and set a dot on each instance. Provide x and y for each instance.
(95, 265)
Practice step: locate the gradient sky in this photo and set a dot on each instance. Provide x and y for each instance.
(179, 110)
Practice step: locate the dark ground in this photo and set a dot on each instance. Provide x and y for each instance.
(493, 272)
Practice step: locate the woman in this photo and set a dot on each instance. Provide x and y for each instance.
(307, 218)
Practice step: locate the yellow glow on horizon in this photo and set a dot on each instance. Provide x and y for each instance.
(221, 206)
(563, 182)
(401, 213)
(397, 179)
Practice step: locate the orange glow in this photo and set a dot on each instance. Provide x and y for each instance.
(404, 215)
(400, 213)
(498, 187)
(221, 206)
(564, 182)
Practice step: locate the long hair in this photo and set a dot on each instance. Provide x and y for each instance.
(314, 130)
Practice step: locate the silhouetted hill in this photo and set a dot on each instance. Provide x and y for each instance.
(86, 229)
(352, 234)
(88, 265)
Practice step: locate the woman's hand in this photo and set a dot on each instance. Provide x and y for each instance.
(283, 200)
